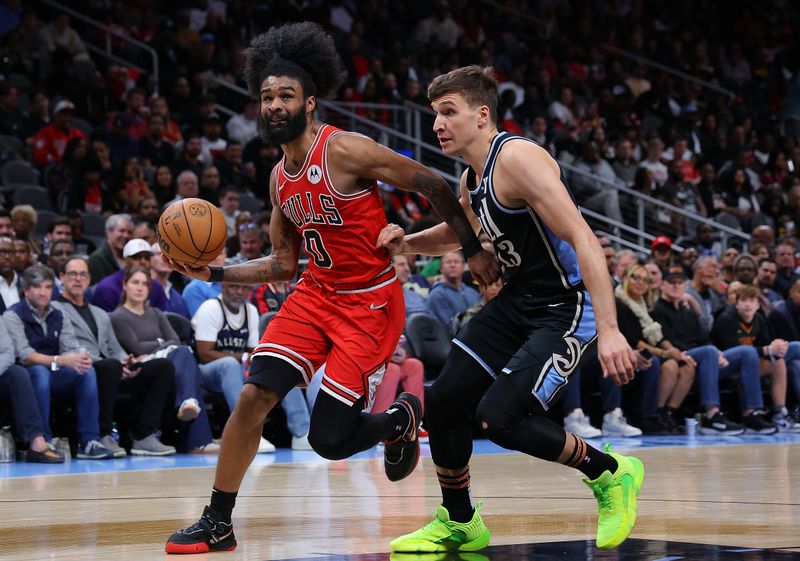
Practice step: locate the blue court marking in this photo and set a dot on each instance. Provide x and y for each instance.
(286, 456)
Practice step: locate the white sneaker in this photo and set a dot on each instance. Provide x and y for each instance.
(615, 424)
(577, 423)
(785, 421)
(189, 410)
(265, 446)
(301, 443)
(210, 448)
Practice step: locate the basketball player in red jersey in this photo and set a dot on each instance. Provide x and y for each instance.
(348, 309)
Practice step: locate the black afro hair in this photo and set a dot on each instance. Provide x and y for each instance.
(301, 50)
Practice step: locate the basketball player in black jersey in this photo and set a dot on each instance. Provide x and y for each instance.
(517, 354)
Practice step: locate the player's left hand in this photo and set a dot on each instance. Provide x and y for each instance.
(485, 267)
(616, 357)
(391, 239)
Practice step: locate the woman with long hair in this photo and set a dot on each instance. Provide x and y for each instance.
(131, 186)
(146, 333)
(677, 373)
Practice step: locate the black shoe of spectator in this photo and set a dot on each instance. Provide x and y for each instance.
(758, 423)
(47, 456)
(668, 420)
(719, 424)
(656, 426)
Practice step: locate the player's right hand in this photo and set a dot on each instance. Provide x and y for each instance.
(485, 267)
(200, 273)
(391, 239)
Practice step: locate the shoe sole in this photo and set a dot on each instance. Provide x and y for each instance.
(135, 452)
(422, 547)
(714, 432)
(202, 547)
(761, 431)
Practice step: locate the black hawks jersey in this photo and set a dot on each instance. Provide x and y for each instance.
(534, 259)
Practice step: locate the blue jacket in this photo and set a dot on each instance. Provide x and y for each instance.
(446, 301)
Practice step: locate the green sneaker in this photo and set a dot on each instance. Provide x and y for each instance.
(616, 500)
(443, 534)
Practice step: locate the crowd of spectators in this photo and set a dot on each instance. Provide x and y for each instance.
(112, 144)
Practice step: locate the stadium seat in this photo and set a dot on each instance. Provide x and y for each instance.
(33, 195)
(45, 217)
(264, 321)
(182, 327)
(11, 143)
(250, 204)
(94, 225)
(429, 341)
(83, 125)
(20, 171)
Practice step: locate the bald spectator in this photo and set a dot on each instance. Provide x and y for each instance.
(187, 187)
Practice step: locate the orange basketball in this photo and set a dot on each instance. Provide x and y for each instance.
(192, 232)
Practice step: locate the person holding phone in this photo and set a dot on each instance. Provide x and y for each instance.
(117, 371)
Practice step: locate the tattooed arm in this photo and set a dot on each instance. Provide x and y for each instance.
(354, 158)
(281, 264)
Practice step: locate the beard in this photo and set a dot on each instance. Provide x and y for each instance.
(285, 132)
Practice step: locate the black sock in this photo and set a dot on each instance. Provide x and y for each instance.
(402, 418)
(457, 496)
(590, 461)
(222, 503)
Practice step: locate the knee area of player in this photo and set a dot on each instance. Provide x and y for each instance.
(328, 448)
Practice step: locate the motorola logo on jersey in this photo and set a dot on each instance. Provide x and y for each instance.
(314, 174)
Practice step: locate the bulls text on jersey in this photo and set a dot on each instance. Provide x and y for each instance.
(314, 208)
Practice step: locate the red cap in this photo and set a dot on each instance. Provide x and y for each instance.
(661, 240)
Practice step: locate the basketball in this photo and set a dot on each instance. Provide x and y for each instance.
(192, 232)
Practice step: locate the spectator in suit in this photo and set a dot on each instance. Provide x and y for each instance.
(17, 393)
(108, 291)
(145, 332)
(9, 280)
(116, 370)
(108, 259)
(44, 341)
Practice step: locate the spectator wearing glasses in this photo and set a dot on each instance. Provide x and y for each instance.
(9, 280)
(250, 244)
(108, 291)
(116, 370)
(729, 257)
(676, 376)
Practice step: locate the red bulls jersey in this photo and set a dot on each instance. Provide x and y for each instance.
(339, 231)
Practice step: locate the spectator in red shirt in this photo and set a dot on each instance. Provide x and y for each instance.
(50, 142)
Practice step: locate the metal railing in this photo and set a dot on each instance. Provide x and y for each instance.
(634, 230)
(107, 52)
(668, 69)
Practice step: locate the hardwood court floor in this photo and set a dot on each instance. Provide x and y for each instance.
(738, 496)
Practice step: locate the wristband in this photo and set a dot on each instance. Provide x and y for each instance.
(216, 274)
(472, 247)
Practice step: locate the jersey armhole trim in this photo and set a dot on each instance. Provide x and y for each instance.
(327, 178)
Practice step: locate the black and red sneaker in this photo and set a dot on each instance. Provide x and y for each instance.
(207, 534)
(401, 455)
